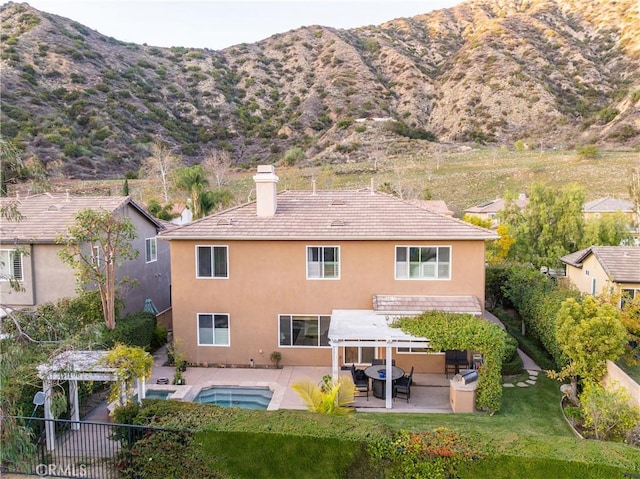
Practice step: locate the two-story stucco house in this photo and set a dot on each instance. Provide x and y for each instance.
(278, 273)
(29, 252)
(605, 269)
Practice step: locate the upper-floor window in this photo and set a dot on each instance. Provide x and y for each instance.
(10, 265)
(323, 262)
(423, 262)
(298, 330)
(151, 250)
(213, 329)
(212, 262)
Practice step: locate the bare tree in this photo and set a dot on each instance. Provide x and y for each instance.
(217, 162)
(160, 164)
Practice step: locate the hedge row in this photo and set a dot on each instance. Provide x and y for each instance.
(536, 297)
(136, 329)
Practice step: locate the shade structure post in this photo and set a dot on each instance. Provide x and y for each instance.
(50, 427)
(74, 404)
(334, 361)
(388, 383)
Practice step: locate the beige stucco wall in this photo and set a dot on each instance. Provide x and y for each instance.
(584, 281)
(45, 277)
(268, 278)
(616, 377)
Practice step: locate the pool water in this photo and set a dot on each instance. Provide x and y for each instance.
(229, 396)
(157, 394)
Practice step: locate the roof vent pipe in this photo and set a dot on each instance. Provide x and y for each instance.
(372, 187)
(266, 191)
(313, 186)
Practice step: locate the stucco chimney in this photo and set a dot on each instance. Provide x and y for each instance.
(266, 191)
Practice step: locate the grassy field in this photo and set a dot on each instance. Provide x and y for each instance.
(461, 178)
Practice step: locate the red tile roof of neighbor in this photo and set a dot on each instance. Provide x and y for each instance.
(621, 263)
(46, 216)
(332, 215)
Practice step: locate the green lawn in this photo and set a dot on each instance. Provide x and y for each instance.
(633, 371)
(526, 438)
(529, 425)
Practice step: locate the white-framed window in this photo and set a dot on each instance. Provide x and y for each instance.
(213, 329)
(323, 262)
(423, 262)
(212, 262)
(303, 330)
(416, 350)
(151, 250)
(10, 265)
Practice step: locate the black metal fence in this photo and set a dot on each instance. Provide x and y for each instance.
(89, 450)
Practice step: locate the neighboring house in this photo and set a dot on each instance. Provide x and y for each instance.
(490, 209)
(278, 273)
(603, 206)
(599, 269)
(608, 206)
(43, 275)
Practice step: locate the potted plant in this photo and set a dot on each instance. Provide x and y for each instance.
(178, 378)
(276, 357)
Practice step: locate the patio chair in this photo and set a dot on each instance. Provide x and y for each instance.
(402, 387)
(453, 360)
(360, 380)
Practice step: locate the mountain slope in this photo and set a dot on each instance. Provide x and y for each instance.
(553, 71)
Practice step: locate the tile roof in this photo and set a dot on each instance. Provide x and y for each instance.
(331, 215)
(417, 304)
(621, 263)
(437, 206)
(606, 205)
(46, 216)
(497, 205)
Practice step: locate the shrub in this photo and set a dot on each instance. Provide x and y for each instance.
(159, 337)
(135, 329)
(344, 123)
(293, 155)
(440, 453)
(588, 151)
(512, 362)
(607, 412)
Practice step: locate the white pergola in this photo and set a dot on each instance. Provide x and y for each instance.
(74, 366)
(358, 328)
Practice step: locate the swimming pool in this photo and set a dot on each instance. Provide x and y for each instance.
(157, 394)
(230, 396)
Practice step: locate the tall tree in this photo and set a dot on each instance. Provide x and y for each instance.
(160, 164)
(193, 181)
(549, 227)
(12, 169)
(611, 229)
(218, 162)
(95, 245)
(589, 333)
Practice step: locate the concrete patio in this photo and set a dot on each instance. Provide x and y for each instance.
(429, 392)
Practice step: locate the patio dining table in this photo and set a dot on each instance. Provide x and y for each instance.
(377, 374)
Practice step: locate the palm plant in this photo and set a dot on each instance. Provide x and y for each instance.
(193, 181)
(332, 397)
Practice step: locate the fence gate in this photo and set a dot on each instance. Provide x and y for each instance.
(89, 450)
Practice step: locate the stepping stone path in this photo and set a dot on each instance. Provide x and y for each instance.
(533, 376)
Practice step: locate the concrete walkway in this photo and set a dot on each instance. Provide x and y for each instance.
(529, 365)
